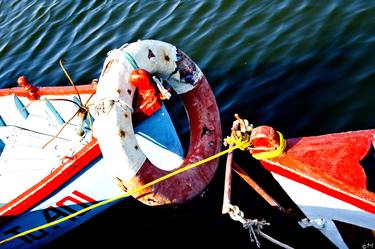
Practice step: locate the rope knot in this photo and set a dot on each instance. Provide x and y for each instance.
(272, 153)
(245, 137)
(240, 134)
(241, 142)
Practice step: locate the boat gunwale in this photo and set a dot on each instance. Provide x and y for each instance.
(66, 170)
(51, 90)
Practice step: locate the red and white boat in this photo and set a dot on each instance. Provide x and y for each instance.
(51, 165)
(327, 176)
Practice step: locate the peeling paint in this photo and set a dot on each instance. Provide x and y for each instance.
(205, 131)
(150, 54)
(121, 185)
(186, 67)
(108, 67)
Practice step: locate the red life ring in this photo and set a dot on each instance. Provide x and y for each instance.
(113, 122)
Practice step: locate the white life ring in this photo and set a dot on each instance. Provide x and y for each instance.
(114, 129)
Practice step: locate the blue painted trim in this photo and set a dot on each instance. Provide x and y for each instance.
(86, 122)
(54, 112)
(21, 107)
(2, 146)
(2, 123)
(76, 100)
(166, 137)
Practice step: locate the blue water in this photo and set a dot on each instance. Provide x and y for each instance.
(303, 67)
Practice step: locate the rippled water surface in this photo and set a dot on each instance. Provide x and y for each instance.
(304, 67)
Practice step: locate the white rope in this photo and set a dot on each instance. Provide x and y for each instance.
(164, 92)
(100, 104)
(124, 105)
(273, 240)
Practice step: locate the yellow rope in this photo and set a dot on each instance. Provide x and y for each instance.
(273, 153)
(242, 142)
(71, 81)
(131, 192)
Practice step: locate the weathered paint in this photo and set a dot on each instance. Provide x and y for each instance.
(133, 168)
(112, 114)
(69, 179)
(318, 205)
(167, 62)
(329, 163)
(323, 175)
(50, 90)
(53, 181)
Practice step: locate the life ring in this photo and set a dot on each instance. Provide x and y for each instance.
(113, 126)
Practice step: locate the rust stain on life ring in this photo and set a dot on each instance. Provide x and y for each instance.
(205, 130)
(122, 133)
(108, 66)
(166, 56)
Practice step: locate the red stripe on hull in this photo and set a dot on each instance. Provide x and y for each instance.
(329, 164)
(53, 181)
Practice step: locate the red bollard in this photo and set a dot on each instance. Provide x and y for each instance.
(31, 91)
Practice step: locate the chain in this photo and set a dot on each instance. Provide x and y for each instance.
(254, 226)
(236, 214)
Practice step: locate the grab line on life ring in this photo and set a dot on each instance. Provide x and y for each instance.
(114, 128)
(131, 60)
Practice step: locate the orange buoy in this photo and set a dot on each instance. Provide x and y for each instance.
(148, 99)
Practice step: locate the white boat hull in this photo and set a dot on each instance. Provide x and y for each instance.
(322, 209)
(28, 156)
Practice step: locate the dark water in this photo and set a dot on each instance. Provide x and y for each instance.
(303, 67)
